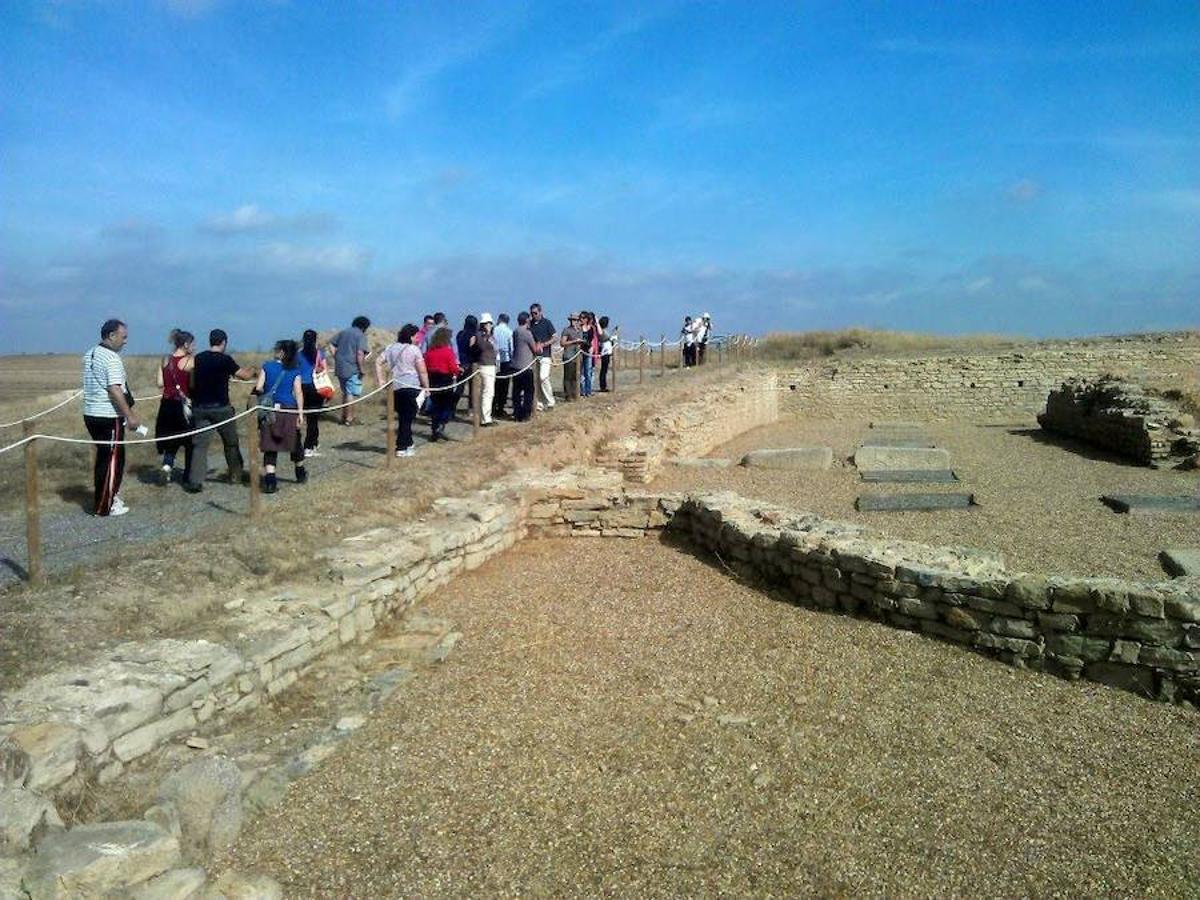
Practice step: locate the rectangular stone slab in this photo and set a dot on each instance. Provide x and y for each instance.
(1181, 561)
(893, 425)
(910, 476)
(790, 458)
(907, 502)
(906, 458)
(889, 441)
(1151, 503)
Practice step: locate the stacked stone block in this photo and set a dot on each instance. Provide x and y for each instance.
(1113, 415)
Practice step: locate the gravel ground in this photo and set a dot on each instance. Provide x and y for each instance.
(687, 734)
(1039, 496)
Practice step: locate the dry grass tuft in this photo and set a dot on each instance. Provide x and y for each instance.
(793, 345)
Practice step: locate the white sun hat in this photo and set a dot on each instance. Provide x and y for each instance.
(485, 319)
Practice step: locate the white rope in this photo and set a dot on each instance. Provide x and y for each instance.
(38, 415)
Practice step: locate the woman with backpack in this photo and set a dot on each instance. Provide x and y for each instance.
(281, 413)
(175, 407)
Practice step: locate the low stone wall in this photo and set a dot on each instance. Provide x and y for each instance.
(1113, 415)
(694, 428)
(977, 385)
(1142, 637)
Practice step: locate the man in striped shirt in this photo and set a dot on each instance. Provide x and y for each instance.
(107, 413)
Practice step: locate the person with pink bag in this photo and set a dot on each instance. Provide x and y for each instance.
(317, 386)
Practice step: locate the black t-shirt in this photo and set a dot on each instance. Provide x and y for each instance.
(542, 330)
(211, 378)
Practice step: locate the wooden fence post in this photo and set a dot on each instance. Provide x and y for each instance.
(255, 467)
(641, 358)
(33, 518)
(720, 358)
(614, 365)
(475, 393)
(662, 356)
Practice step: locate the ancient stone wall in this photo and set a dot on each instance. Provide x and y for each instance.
(1116, 416)
(978, 386)
(695, 427)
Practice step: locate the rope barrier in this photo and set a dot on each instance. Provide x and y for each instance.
(38, 415)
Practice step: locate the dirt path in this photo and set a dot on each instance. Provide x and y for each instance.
(621, 718)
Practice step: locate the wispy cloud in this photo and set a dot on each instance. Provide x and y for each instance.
(252, 219)
(1024, 191)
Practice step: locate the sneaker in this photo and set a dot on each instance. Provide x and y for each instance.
(411, 451)
(164, 475)
(118, 507)
(270, 484)
(309, 452)
(301, 475)
(401, 454)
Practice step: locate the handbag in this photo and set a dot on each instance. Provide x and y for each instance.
(266, 402)
(184, 400)
(321, 380)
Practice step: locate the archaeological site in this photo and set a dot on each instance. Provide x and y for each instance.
(914, 622)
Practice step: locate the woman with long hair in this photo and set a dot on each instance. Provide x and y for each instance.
(589, 351)
(443, 369)
(311, 359)
(280, 431)
(409, 376)
(175, 407)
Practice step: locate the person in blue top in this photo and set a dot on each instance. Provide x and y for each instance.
(280, 382)
(311, 358)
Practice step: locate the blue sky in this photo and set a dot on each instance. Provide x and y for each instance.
(267, 166)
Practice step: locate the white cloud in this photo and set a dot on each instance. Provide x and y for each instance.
(251, 219)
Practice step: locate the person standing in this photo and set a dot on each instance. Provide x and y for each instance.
(426, 325)
(311, 361)
(703, 331)
(525, 350)
(107, 413)
(211, 371)
(175, 405)
(504, 354)
(350, 349)
(687, 334)
(467, 354)
(589, 351)
(485, 351)
(606, 350)
(572, 341)
(543, 333)
(280, 381)
(443, 369)
(409, 376)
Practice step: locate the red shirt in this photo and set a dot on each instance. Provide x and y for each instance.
(441, 360)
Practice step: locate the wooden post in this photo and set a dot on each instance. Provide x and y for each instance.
(681, 366)
(614, 365)
(641, 358)
(389, 409)
(720, 359)
(255, 467)
(33, 518)
(662, 357)
(476, 394)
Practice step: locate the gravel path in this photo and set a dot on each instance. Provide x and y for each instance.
(621, 718)
(1039, 497)
(72, 537)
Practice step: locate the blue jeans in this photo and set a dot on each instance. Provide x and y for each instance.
(585, 375)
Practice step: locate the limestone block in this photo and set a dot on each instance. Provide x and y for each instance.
(24, 817)
(906, 458)
(176, 884)
(142, 740)
(207, 794)
(790, 458)
(53, 749)
(99, 860)
(1181, 561)
(14, 763)
(236, 886)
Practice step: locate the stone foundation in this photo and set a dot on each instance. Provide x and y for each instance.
(1116, 416)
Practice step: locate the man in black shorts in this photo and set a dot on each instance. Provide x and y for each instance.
(210, 404)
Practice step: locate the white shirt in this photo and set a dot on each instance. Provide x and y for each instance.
(101, 368)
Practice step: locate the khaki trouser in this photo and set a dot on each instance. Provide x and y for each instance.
(487, 393)
(545, 389)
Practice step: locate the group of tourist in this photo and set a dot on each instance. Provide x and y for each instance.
(694, 338)
(428, 367)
